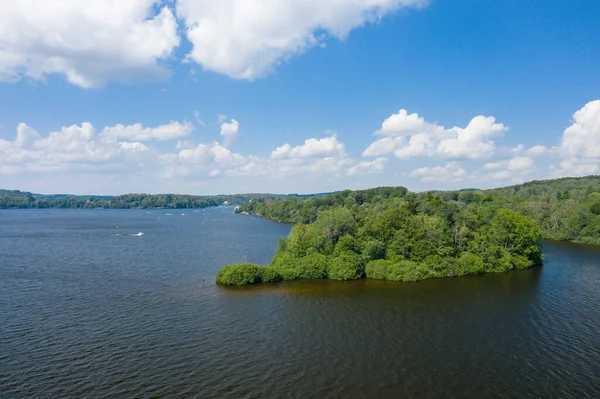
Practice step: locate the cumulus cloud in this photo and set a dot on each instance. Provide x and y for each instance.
(136, 146)
(450, 172)
(88, 44)
(410, 136)
(575, 167)
(314, 158)
(122, 151)
(75, 146)
(130, 40)
(324, 147)
(245, 39)
(26, 136)
(377, 165)
(229, 132)
(582, 138)
(137, 132)
(514, 164)
(127, 151)
(513, 170)
(535, 151)
(580, 144)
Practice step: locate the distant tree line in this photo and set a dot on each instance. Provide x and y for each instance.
(566, 209)
(24, 200)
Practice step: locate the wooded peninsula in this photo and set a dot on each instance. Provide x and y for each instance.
(389, 233)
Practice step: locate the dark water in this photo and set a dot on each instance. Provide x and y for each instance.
(87, 313)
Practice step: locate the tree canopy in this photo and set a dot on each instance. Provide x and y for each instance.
(405, 237)
(566, 209)
(392, 234)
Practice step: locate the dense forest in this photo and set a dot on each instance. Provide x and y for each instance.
(402, 238)
(565, 209)
(23, 200)
(392, 234)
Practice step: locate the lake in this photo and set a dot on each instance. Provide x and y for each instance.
(89, 308)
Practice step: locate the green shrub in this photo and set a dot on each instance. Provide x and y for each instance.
(286, 265)
(413, 275)
(346, 266)
(312, 266)
(405, 270)
(270, 275)
(378, 269)
(500, 264)
(240, 274)
(469, 263)
(374, 250)
(436, 266)
(520, 262)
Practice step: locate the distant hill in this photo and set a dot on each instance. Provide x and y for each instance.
(23, 200)
(566, 209)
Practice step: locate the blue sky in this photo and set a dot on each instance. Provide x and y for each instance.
(296, 96)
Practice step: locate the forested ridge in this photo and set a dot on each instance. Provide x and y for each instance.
(390, 233)
(566, 209)
(24, 200)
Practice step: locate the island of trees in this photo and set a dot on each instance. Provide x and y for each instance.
(390, 233)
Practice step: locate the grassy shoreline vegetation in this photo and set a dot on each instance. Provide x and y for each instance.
(390, 233)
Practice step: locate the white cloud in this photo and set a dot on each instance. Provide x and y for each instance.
(229, 132)
(78, 147)
(404, 123)
(582, 138)
(184, 145)
(514, 170)
(245, 39)
(517, 164)
(451, 172)
(580, 144)
(472, 141)
(124, 150)
(315, 158)
(324, 147)
(535, 151)
(136, 146)
(137, 132)
(132, 158)
(377, 165)
(410, 136)
(26, 136)
(88, 43)
(574, 167)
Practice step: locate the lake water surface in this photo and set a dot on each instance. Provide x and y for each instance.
(91, 310)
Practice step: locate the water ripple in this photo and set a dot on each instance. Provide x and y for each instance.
(85, 313)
